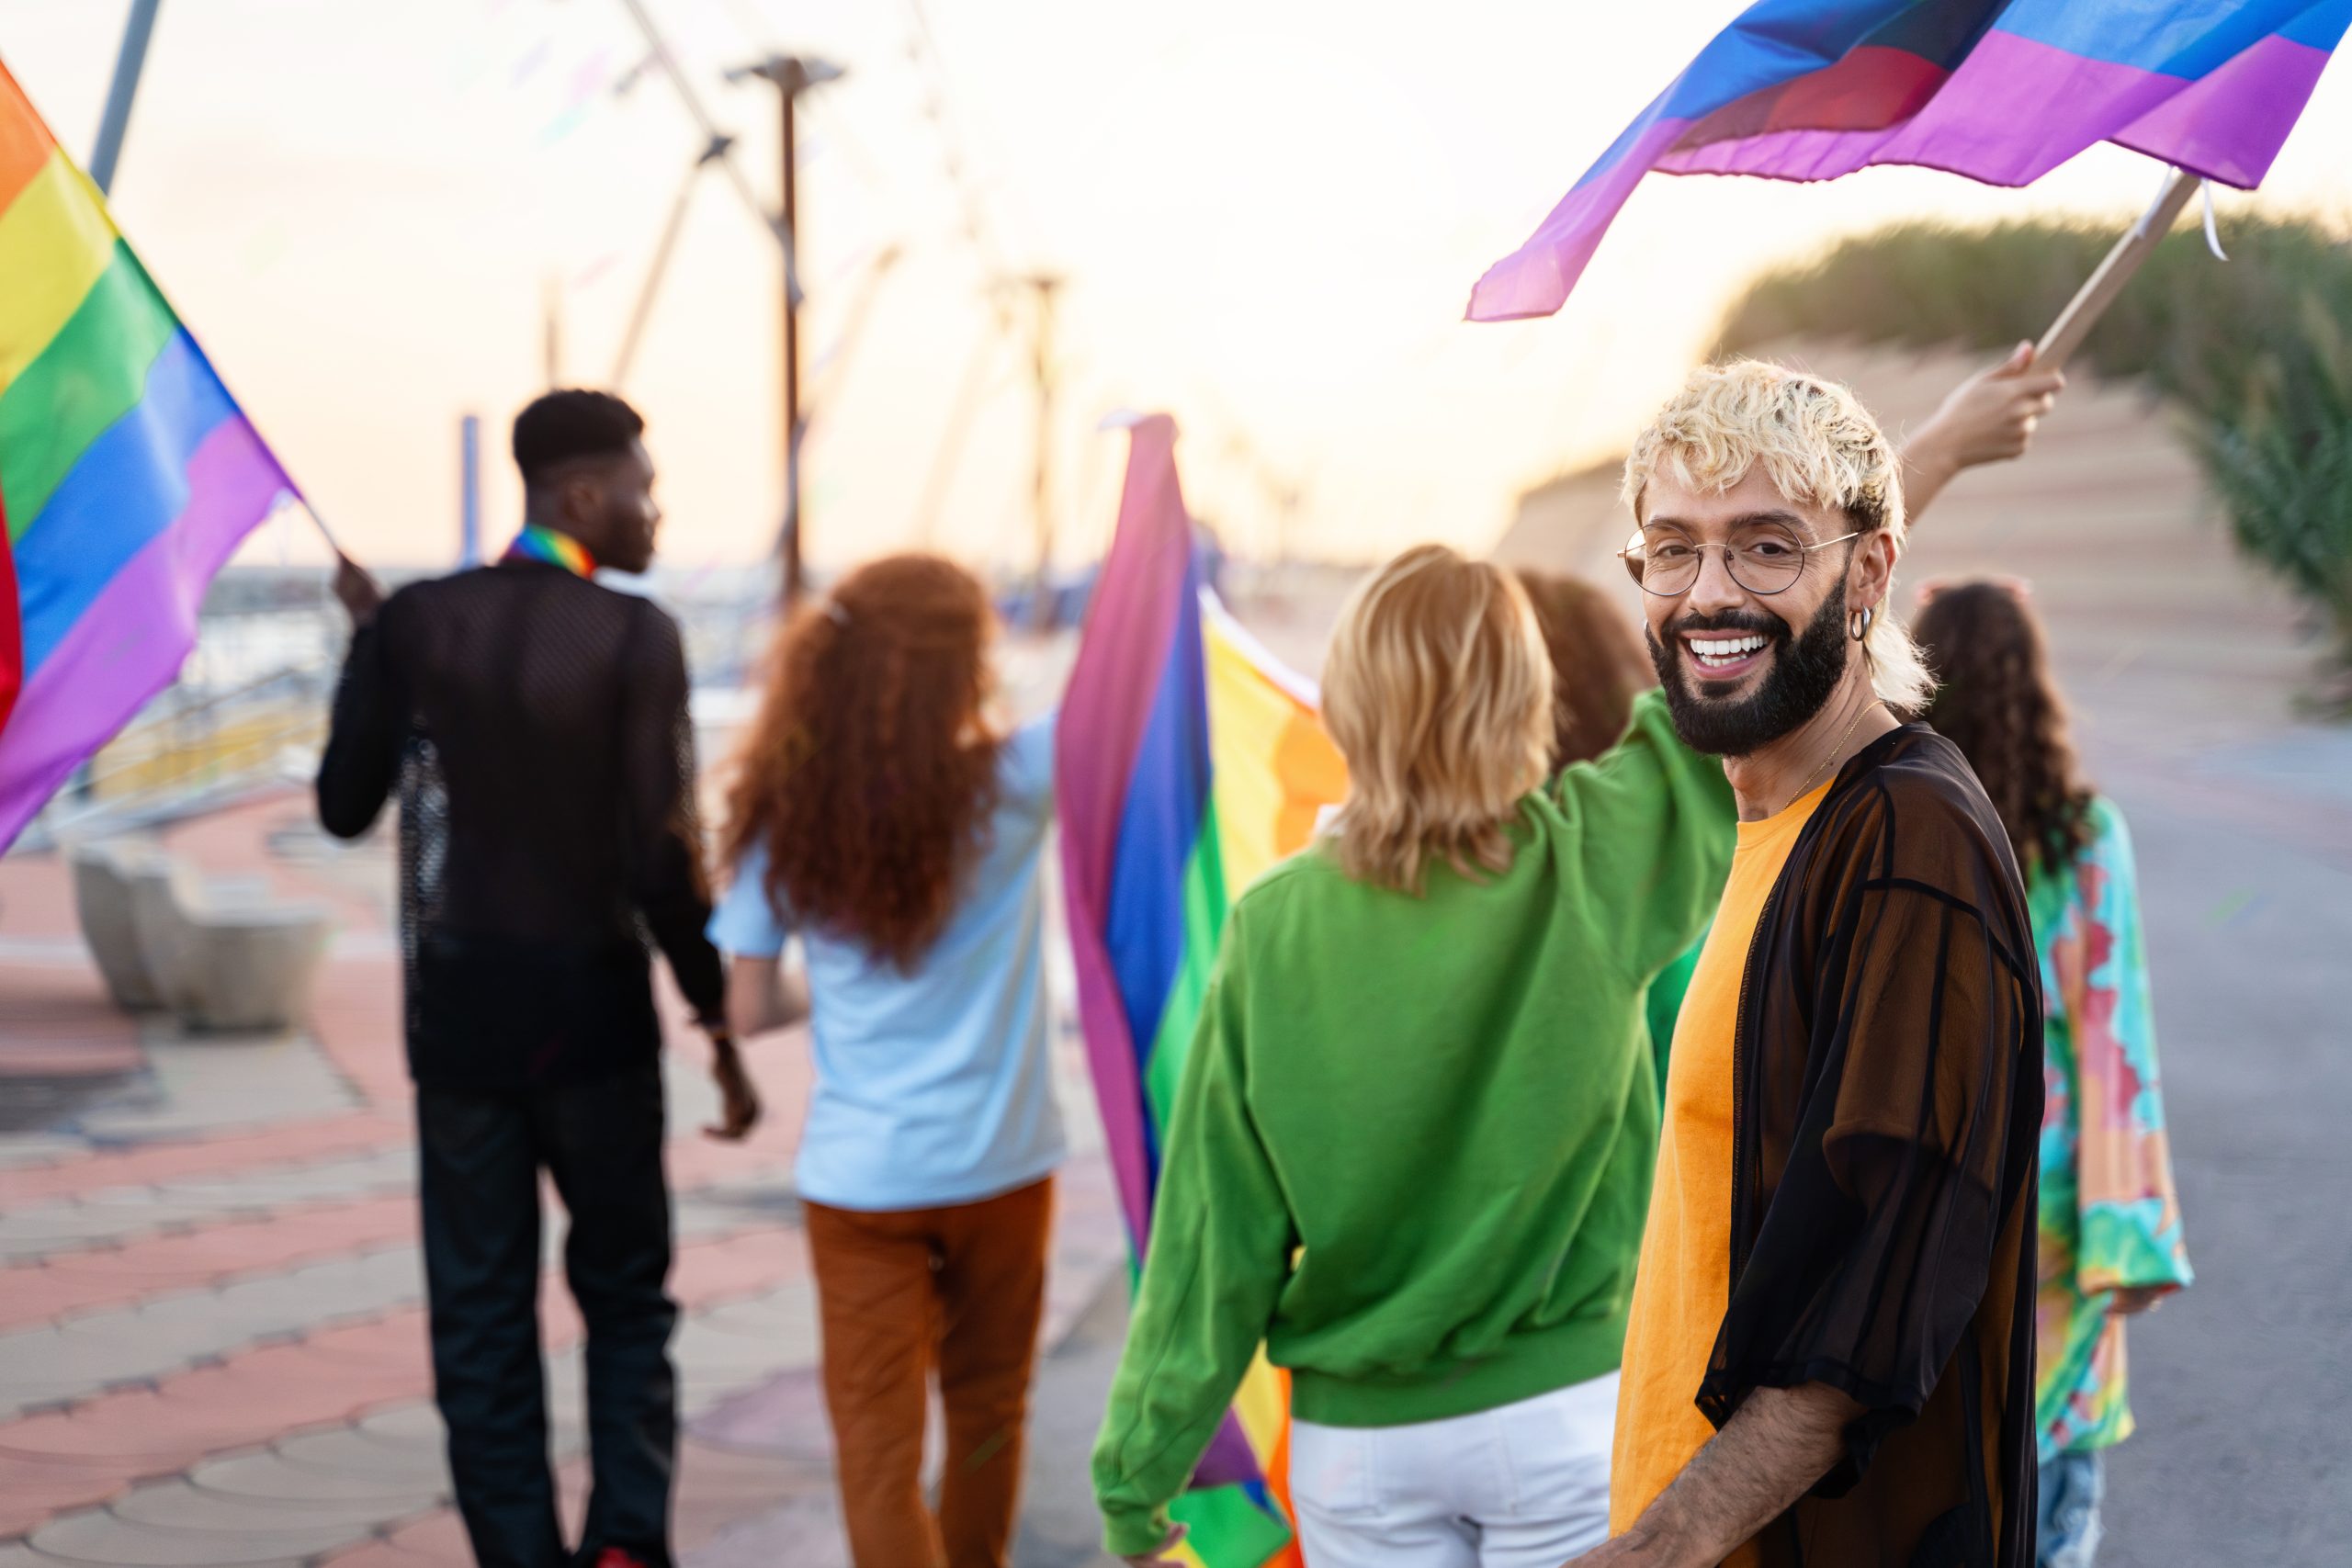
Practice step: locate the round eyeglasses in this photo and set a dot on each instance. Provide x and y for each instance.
(1760, 560)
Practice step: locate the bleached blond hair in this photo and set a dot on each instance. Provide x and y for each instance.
(1438, 694)
(1820, 448)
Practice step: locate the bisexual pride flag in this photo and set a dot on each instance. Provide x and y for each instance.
(1999, 92)
(127, 474)
(1188, 761)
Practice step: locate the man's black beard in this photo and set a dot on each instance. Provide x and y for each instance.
(1806, 669)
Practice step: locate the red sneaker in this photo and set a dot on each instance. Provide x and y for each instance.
(613, 1557)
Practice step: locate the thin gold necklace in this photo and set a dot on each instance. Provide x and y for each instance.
(1856, 723)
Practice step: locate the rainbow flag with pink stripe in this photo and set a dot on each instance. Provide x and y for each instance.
(2002, 91)
(1188, 761)
(127, 474)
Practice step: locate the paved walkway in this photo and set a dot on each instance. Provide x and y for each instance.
(212, 1331)
(2242, 1383)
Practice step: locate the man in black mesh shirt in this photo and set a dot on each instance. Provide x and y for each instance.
(534, 725)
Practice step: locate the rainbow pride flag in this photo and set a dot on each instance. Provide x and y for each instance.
(2002, 91)
(127, 474)
(1188, 761)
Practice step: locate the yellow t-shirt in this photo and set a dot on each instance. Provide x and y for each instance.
(1683, 1283)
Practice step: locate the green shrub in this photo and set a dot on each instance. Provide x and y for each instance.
(2257, 352)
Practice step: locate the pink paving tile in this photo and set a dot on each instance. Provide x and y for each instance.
(354, 1016)
(90, 1282)
(141, 1263)
(239, 1245)
(68, 1058)
(125, 1276)
(393, 1346)
(60, 1024)
(328, 1377)
(36, 899)
(30, 1492)
(295, 1143)
(223, 1248)
(59, 1021)
(37, 1293)
(91, 1451)
(131, 1433)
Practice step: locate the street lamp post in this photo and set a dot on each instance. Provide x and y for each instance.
(1044, 284)
(790, 75)
(137, 28)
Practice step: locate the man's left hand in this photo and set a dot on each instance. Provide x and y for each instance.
(738, 1101)
(360, 594)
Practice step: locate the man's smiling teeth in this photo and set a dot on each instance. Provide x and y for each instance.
(1717, 651)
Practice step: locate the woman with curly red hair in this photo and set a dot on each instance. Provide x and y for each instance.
(878, 814)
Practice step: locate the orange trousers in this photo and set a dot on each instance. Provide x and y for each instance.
(901, 1293)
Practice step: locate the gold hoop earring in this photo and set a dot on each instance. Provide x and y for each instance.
(1859, 624)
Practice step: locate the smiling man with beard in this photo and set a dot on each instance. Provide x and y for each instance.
(1830, 1353)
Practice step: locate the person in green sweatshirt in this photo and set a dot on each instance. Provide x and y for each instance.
(1412, 1149)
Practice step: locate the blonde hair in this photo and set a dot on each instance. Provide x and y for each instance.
(1819, 446)
(1438, 694)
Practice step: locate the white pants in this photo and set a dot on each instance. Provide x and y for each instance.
(1526, 1485)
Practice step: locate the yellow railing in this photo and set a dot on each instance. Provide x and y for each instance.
(186, 750)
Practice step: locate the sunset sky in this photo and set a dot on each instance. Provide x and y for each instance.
(1270, 215)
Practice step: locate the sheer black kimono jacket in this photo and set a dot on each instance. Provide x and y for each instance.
(1887, 1113)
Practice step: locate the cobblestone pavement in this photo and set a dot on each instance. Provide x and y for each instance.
(211, 1327)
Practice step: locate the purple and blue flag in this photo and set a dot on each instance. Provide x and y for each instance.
(2002, 91)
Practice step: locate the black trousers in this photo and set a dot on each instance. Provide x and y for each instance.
(479, 1154)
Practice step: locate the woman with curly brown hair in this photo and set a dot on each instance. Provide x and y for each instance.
(880, 816)
(2111, 1241)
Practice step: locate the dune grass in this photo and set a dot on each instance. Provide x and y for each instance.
(2256, 353)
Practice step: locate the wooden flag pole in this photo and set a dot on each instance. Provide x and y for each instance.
(2090, 301)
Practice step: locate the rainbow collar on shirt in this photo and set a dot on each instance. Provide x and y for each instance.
(536, 543)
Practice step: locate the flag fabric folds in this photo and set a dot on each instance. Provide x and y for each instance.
(2002, 91)
(127, 474)
(1188, 761)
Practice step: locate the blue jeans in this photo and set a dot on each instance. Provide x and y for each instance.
(2071, 1485)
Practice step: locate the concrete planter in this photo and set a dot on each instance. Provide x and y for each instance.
(102, 875)
(222, 956)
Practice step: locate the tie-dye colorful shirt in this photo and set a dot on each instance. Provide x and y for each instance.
(2109, 1218)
